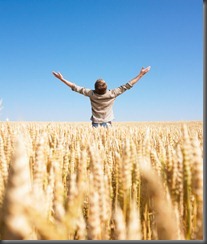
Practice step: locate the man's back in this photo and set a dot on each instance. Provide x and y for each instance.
(102, 104)
(102, 99)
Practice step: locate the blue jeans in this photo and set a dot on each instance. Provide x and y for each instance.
(104, 124)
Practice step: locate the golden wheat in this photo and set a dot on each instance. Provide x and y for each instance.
(133, 181)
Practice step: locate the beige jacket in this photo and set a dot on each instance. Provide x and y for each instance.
(102, 105)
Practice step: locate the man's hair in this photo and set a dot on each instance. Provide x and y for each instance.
(100, 86)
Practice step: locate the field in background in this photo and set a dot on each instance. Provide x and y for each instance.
(134, 181)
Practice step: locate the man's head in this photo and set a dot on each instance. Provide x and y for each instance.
(100, 86)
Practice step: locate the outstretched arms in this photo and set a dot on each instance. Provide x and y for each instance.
(142, 72)
(60, 77)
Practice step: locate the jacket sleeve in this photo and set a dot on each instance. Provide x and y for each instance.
(84, 91)
(119, 90)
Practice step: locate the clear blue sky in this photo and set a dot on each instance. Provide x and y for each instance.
(109, 39)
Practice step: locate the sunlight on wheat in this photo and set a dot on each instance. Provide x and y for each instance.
(133, 181)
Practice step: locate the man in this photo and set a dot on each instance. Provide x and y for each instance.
(102, 100)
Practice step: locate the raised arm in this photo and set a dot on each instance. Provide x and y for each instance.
(142, 72)
(60, 77)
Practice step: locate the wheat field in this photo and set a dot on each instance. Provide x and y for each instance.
(133, 181)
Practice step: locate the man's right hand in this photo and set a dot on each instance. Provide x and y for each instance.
(145, 70)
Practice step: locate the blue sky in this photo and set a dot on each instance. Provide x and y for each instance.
(110, 39)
